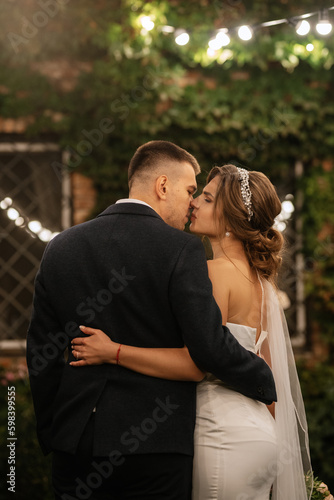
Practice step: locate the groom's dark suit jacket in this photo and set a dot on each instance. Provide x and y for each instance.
(145, 284)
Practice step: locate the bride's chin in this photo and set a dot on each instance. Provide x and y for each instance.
(192, 229)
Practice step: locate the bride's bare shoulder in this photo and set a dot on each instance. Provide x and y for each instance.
(221, 265)
(219, 268)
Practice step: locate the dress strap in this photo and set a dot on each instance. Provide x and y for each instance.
(261, 339)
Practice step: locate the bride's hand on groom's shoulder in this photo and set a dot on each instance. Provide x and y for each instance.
(94, 349)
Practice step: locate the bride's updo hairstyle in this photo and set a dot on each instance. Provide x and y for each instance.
(253, 225)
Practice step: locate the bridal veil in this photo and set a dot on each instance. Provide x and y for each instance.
(293, 456)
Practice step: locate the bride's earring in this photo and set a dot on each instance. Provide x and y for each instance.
(227, 234)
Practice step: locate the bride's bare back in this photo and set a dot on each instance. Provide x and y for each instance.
(237, 291)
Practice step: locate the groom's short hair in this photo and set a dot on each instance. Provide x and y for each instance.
(153, 154)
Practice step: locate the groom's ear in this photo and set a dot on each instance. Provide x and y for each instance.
(161, 187)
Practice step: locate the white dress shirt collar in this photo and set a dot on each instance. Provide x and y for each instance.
(133, 200)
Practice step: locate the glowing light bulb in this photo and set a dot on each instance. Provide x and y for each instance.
(223, 37)
(324, 26)
(182, 38)
(280, 226)
(288, 206)
(220, 40)
(12, 214)
(35, 226)
(303, 27)
(147, 23)
(45, 235)
(310, 47)
(19, 221)
(245, 33)
(6, 203)
(215, 44)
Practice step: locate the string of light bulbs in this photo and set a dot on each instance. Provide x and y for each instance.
(33, 227)
(222, 36)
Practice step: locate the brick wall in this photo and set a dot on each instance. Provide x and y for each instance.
(83, 197)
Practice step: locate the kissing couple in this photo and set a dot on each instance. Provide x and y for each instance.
(181, 383)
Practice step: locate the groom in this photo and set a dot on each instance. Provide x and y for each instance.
(131, 272)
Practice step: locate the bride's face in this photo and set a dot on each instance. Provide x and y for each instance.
(203, 219)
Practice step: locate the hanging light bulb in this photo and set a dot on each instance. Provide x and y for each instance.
(245, 33)
(19, 221)
(12, 214)
(303, 27)
(45, 235)
(221, 40)
(6, 203)
(280, 226)
(215, 44)
(35, 226)
(147, 23)
(309, 47)
(181, 37)
(324, 26)
(223, 37)
(288, 206)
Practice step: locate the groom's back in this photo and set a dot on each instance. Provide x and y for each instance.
(113, 273)
(115, 270)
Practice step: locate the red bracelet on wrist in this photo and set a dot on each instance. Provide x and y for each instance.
(117, 355)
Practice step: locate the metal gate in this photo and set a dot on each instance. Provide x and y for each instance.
(34, 206)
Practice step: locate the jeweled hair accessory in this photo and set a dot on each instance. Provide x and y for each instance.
(246, 193)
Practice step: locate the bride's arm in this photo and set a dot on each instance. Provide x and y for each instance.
(98, 348)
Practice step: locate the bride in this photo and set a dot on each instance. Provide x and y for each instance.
(244, 450)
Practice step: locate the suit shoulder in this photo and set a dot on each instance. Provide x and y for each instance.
(73, 230)
(183, 238)
(69, 235)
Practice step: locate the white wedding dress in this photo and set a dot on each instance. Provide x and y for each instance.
(240, 450)
(235, 438)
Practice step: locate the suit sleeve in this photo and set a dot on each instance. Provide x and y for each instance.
(211, 345)
(45, 358)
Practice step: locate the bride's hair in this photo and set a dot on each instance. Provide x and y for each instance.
(263, 243)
